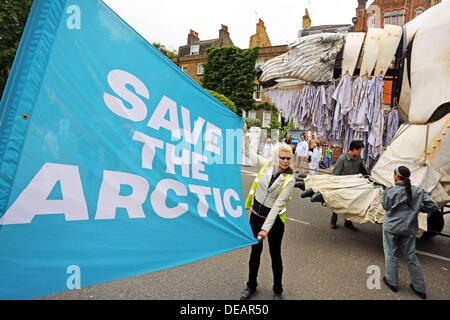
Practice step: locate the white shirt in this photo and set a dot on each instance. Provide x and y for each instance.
(267, 150)
(302, 149)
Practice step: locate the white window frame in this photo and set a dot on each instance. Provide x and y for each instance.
(387, 17)
(401, 16)
(257, 93)
(200, 69)
(195, 49)
(419, 9)
(252, 114)
(394, 17)
(371, 21)
(266, 122)
(185, 69)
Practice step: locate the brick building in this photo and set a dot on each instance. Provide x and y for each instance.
(265, 52)
(381, 12)
(397, 12)
(192, 55)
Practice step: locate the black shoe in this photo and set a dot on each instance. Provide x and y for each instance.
(247, 294)
(277, 296)
(423, 295)
(333, 225)
(351, 227)
(390, 286)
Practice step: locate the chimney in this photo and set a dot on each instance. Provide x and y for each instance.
(224, 36)
(306, 23)
(192, 37)
(361, 14)
(260, 38)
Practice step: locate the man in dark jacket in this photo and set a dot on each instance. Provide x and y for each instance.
(348, 164)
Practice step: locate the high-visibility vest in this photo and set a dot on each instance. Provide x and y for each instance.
(251, 195)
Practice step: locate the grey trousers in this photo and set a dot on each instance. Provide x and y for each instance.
(392, 243)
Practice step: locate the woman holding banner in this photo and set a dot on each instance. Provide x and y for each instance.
(270, 191)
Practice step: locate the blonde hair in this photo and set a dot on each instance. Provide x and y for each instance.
(276, 152)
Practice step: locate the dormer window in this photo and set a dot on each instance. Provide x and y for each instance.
(195, 49)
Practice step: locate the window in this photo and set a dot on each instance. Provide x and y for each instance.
(419, 11)
(200, 69)
(184, 68)
(401, 17)
(371, 22)
(195, 49)
(257, 93)
(252, 114)
(267, 118)
(394, 17)
(387, 17)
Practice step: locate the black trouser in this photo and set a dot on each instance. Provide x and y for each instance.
(334, 219)
(274, 237)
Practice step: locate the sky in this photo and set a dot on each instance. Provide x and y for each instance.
(169, 22)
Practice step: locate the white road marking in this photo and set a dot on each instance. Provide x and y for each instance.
(299, 221)
(432, 255)
(249, 172)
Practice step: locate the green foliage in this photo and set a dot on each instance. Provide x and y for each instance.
(253, 122)
(274, 124)
(287, 127)
(265, 105)
(229, 71)
(164, 50)
(13, 16)
(227, 102)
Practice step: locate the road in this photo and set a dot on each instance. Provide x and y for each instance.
(319, 264)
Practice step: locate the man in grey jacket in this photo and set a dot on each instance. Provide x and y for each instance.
(402, 203)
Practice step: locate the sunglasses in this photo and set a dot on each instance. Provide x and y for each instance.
(285, 158)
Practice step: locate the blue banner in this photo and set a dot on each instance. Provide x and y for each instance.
(113, 162)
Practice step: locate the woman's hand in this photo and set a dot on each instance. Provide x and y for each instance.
(262, 234)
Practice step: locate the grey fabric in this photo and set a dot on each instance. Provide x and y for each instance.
(392, 244)
(342, 111)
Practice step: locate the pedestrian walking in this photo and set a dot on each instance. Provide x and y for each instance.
(328, 156)
(316, 154)
(301, 152)
(267, 150)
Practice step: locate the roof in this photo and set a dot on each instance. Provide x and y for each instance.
(324, 28)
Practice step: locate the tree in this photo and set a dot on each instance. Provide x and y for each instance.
(253, 122)
(229, 71)
(164, 50)
(13, 16)
(227, 102)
